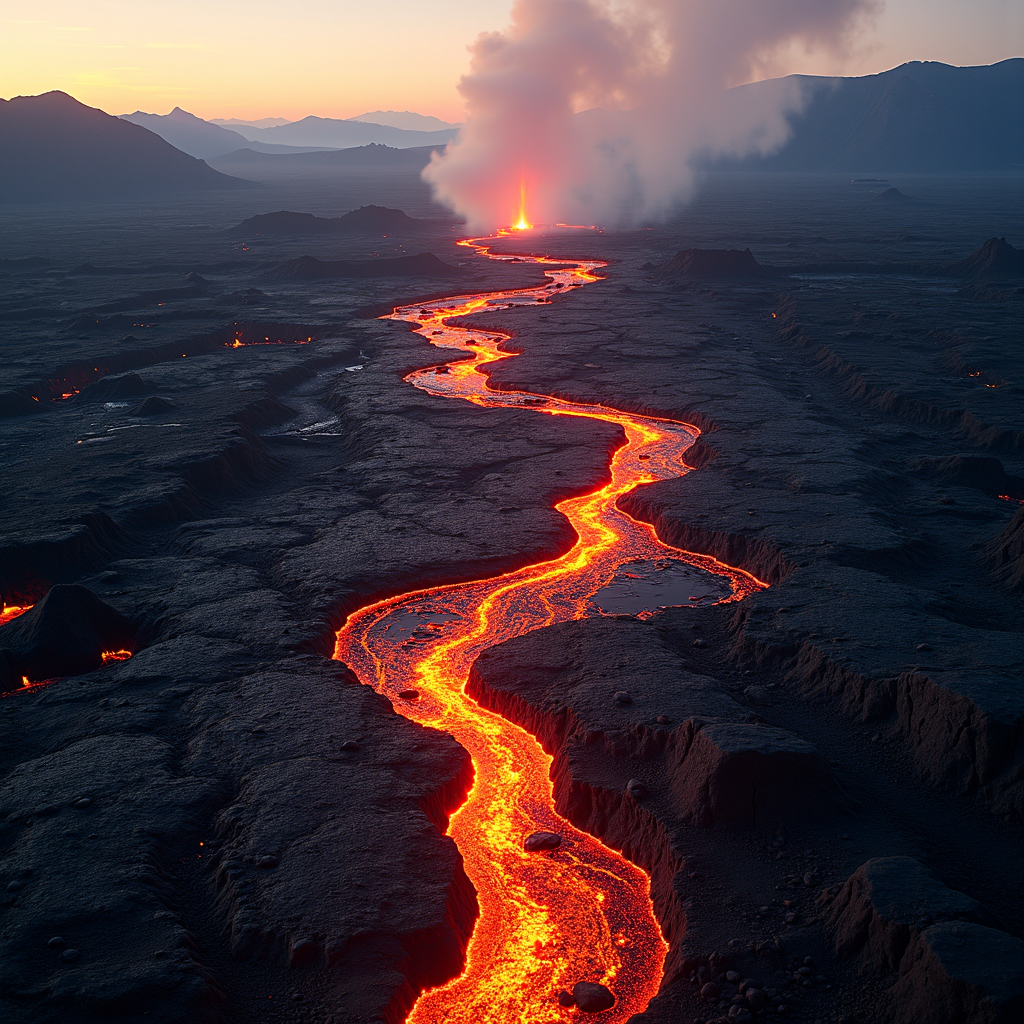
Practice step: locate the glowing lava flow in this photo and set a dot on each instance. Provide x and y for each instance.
(582, 912)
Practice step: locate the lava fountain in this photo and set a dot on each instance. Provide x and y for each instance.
(581, 912)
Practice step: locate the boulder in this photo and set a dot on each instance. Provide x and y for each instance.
(592, 998)
(958, 972)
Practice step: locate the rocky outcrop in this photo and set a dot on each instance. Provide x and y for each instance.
(65, 634)
(896, 916)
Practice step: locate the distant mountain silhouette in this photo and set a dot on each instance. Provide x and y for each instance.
(406, 120)
(340, 134)
(308, 268)
(200, 138)
(922, 117)
(266, 167)
(53, 148)
(367, 219)
(996, 260)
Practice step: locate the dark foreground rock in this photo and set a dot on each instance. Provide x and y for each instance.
(65, 634)
(592, 998)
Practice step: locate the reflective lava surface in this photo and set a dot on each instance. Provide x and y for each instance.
(582, 912)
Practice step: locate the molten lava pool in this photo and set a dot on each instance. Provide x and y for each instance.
(582, 912)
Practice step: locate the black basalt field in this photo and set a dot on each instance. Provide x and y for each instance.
(210, 458)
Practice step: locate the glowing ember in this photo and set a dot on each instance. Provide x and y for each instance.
(116, 655)
(12, 611)
(581, 912)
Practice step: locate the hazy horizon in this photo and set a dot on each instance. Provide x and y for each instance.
(125, 58)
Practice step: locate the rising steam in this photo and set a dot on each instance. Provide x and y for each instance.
(597, 108)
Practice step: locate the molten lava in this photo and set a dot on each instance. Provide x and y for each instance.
(12, 611)
(581, 912)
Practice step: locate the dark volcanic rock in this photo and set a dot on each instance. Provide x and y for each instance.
(961, 973)
(542, 841)
(153, 406)
(982, 472)
(65, 634)
(996, 260)
(115, 389)
(592, 998)
(367, 219)
(720, 769)
(1006, 552)
(886, 903)
(891, 197)
(308, 268)
(712, 265)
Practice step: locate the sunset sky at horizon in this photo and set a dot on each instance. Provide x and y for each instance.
(250, 59)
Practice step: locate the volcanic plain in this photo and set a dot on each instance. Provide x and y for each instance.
(210, 458)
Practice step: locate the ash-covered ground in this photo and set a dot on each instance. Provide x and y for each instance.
(226, 827)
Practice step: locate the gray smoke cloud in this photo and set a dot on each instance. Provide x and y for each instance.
(598, 107)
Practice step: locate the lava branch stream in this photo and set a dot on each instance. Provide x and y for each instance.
(581, 912)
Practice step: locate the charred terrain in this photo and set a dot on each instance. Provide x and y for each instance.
(211, 459)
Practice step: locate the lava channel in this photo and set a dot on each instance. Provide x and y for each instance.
(582, 912)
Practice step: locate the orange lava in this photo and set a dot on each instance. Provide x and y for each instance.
(115, 655)
(12, 611)
(583, 912)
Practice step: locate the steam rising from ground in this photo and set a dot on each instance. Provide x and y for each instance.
(599, 106)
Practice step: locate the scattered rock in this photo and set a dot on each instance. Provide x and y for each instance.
(757, 694)
(56, 942)
(566, 998)
(409, 694)
(623, 698)
(82, 803)
(699, 643)
(756, 999)
(350, 745)
(710, 991)
(268, 862)
(592, 998)
(70, 954)
(542, 841)
(663, 720)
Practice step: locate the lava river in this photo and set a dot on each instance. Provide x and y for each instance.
(582, 912)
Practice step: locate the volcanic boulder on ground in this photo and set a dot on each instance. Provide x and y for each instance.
(690, 265)
(308, 268)
(957, 972)
(367, 219)
(996, 260)
(64, 635)
(886, 903)
(153, 406)
(592, 998)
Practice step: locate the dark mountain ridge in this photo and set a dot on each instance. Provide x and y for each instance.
(55, 149)
(921, 117)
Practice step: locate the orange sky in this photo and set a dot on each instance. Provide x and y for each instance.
(337, 58)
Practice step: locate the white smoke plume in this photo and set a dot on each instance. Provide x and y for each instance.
(598, 107)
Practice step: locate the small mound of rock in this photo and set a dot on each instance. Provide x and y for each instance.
(65, 634)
